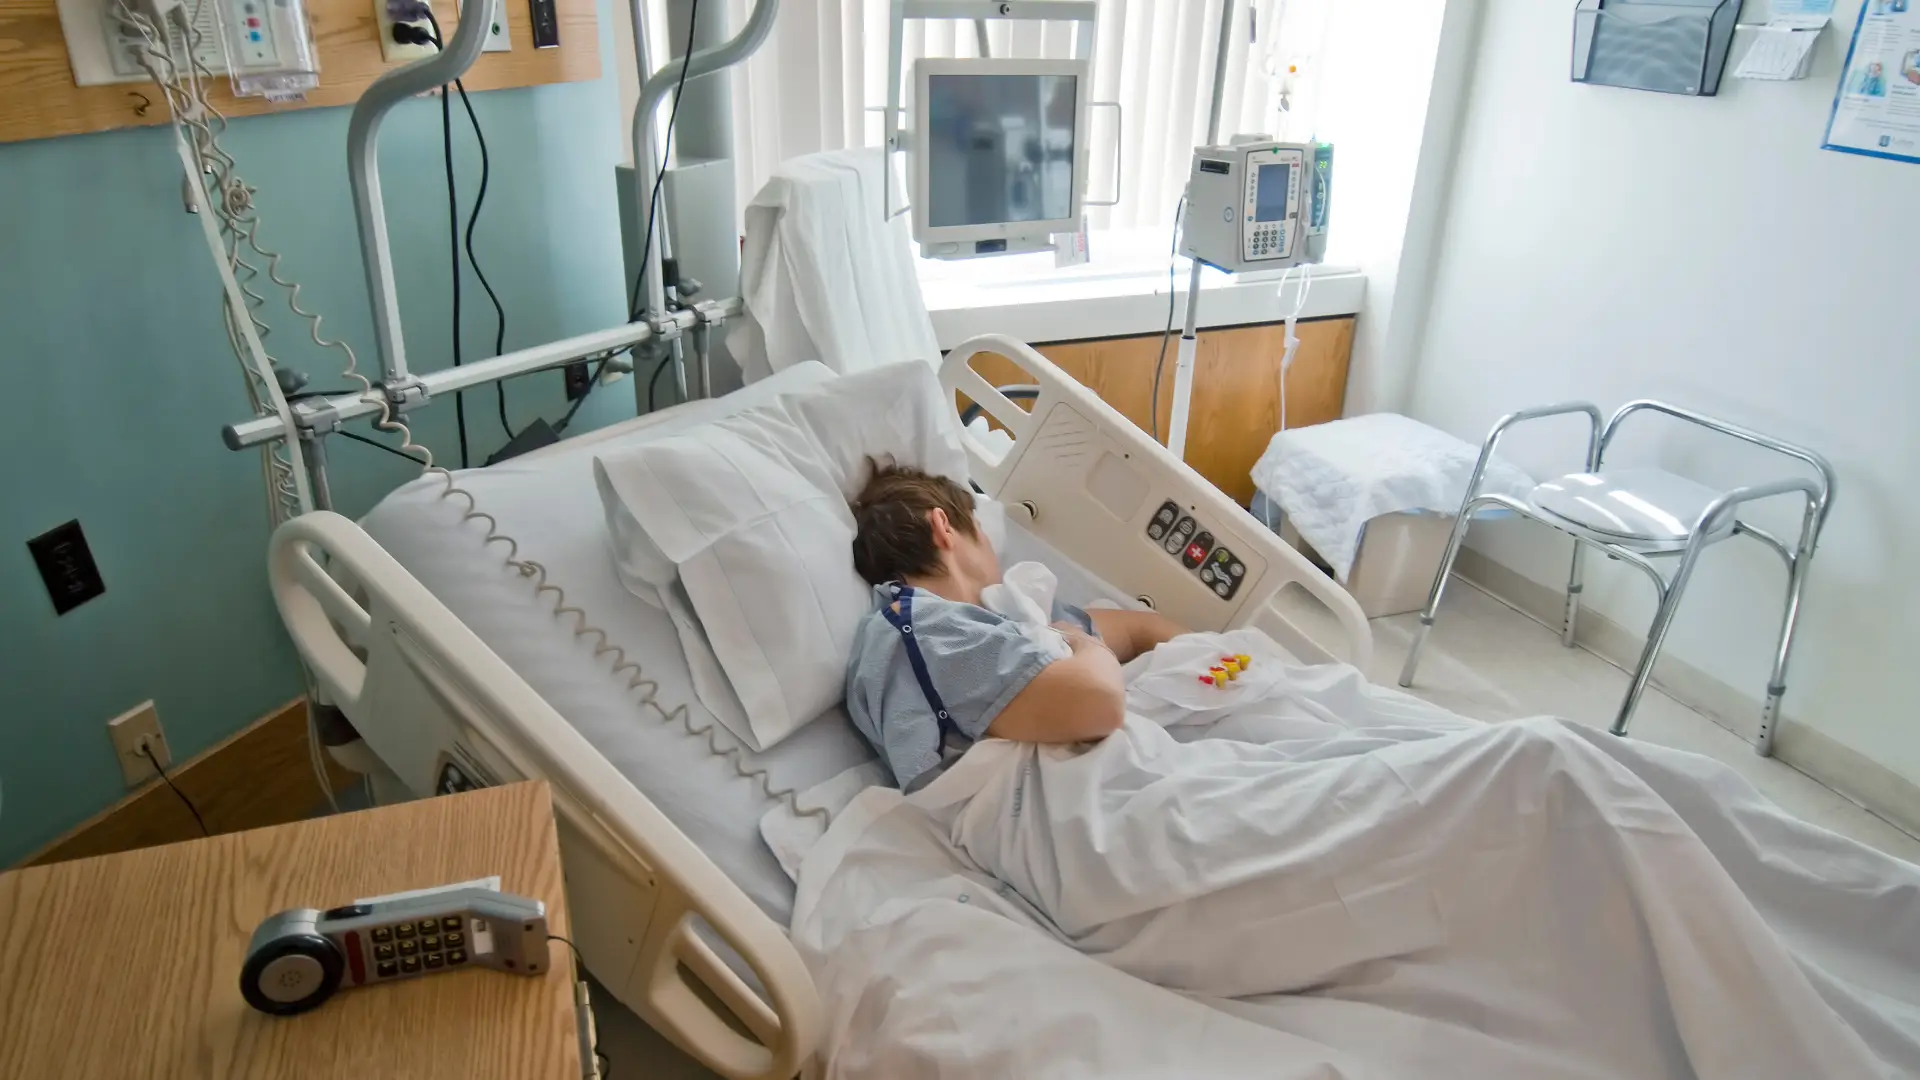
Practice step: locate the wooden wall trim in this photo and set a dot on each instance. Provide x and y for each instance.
(1174, 334)
(1236, 390)
(259, 776)
(39, 100)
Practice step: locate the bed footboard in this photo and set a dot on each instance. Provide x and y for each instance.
(443, 712)
(1090, 482)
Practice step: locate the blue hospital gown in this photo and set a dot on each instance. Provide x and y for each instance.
(976, 660)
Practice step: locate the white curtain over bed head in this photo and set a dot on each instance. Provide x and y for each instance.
(810, 86)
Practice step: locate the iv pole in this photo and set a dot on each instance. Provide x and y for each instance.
(1183, 366)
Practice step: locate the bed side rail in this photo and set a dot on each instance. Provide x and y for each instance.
(1090, 482)
(388, 649)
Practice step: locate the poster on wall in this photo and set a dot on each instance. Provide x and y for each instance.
(1876, 110)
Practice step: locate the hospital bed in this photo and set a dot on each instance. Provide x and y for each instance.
(457, 669)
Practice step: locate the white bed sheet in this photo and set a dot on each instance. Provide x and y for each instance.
(549, 504)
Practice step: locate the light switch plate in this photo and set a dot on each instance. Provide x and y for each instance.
(127, 730)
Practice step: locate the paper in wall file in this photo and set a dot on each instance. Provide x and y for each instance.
(1782, 49)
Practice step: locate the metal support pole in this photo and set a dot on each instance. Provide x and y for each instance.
(646, 156)
(343, 408)
(317, 472)
(1189, 342)
(363, 175)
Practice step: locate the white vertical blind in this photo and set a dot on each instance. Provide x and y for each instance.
(812, 86)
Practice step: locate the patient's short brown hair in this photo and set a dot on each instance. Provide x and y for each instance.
(892, 538)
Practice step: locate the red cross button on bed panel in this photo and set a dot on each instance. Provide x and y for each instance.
(1198, 550)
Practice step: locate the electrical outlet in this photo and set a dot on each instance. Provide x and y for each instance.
(392, 51)
(579, 380)
(66, 566)
(130, 731)
(498, 39)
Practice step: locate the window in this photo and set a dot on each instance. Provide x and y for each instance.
(819, 81)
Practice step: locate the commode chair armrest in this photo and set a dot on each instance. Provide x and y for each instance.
(1727, 503)
(1594, 440)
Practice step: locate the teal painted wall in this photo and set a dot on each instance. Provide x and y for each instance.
(118, 378)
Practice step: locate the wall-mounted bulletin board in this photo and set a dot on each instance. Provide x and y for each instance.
(39, 100)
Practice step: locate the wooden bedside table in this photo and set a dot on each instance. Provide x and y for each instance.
(129, 965)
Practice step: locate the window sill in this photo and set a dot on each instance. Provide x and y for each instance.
(1121, 292)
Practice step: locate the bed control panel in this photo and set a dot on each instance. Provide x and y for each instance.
(298, 959)
(1184, 538)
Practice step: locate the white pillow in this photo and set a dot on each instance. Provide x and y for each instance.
(750, 513)
(894, 412)
(642, 568)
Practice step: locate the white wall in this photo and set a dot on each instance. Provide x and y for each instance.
(1609, 244)
(1386, 94)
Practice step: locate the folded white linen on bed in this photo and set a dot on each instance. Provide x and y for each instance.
(826, 274)
(1372, 888)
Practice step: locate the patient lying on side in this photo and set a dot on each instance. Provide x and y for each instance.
(933, 670)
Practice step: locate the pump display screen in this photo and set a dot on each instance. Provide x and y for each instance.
(999, 148)
(1270, 194)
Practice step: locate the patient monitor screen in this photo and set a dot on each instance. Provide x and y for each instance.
(999, 148)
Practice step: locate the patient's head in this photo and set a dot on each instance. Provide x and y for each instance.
(919, 529)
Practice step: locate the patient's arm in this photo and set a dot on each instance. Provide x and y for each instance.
(1130, 633)
(1074, 699)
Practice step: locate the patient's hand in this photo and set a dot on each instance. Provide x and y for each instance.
(1130, 633)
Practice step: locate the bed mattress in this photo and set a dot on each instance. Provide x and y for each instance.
(549, 504)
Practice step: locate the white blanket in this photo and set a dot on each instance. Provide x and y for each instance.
(1367, 887)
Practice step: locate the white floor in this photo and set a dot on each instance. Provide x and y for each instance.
(1483, 660)
(1486, 660)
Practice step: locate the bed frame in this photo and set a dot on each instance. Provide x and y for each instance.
(442, 712)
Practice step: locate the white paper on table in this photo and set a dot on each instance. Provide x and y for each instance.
(1782, 49)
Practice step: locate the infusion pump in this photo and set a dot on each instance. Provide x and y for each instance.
(1256, 204)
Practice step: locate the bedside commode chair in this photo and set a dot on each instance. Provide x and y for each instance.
(1642, 517)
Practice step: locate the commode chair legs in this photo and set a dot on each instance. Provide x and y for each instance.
(1570, 617)
(1635, 516)
(1439, 588)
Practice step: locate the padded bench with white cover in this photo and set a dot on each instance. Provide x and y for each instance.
(1374, 496)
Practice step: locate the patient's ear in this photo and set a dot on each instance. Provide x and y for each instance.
(942, 529)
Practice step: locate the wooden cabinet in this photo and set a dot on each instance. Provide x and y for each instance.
(1236, 387)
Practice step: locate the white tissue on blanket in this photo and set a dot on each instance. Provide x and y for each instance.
(1024, 595)
(1357, 884)
(1331, 479)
